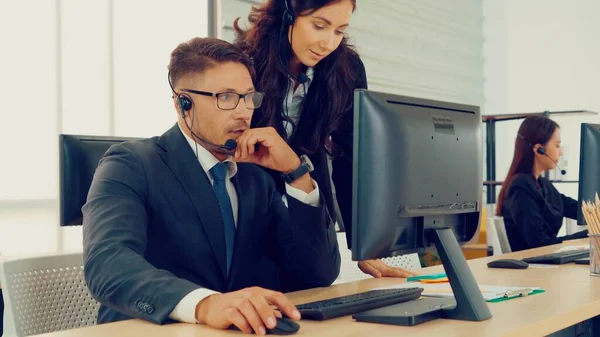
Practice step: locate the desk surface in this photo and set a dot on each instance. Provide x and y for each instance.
(571, 296)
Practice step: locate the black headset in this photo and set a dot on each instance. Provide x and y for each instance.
(287, 19)
(288, 15)
(539, 150)
(185, 104)
(183, 101)
(542, 151)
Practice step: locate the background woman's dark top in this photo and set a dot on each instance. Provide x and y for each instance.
(533, 213)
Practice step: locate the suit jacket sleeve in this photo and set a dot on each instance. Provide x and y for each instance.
(305, 248)
(570, 210)
(570, 207)
(528, 216)
(342, 165)
(114, 242)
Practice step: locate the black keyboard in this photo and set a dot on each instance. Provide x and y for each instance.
(352, 304)
(583, 261)
(559, 258)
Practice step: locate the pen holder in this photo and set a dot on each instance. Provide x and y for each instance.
(594, 254)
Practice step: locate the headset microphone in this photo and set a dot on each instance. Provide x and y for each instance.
(230, 144)
(541, 151)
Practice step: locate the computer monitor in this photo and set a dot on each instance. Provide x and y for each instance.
(417, 182)
(589, 170)
(78, 159)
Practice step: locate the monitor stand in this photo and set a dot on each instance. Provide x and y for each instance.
(468, 303)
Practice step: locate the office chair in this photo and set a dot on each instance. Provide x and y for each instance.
(78, 158)
(502, 237)
(492, 237)
(349, 270)
(46, 294)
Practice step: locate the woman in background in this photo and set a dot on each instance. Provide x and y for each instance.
(532, 207)
(308, 72)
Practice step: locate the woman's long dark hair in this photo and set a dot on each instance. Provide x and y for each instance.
(534, 130)
(331, 90)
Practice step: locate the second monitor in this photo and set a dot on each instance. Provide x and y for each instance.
(417, 182)
(589, 170)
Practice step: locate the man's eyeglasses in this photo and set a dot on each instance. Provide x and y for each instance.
(230, 100)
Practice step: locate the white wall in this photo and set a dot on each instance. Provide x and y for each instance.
(79, 67)
(541, 55)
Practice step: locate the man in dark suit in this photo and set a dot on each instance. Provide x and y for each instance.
(175, 226)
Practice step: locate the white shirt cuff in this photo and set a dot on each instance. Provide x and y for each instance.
(311, 198)
(185, 310)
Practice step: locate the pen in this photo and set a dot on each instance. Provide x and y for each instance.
(518, 292)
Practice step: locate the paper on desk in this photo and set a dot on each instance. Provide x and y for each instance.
(444, 290)
(543, 266)
(572, 247)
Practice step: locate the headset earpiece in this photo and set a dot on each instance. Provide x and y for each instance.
(288, 18)
(288, 15)
(185, 104)
(183, 101)
(541, 150)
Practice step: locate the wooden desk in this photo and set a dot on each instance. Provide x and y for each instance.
(571, 296)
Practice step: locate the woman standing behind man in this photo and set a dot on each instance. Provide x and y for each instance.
(308, 72)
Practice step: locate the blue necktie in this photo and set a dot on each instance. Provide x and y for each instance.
(219, 173)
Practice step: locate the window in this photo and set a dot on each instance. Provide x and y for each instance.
(93, 68)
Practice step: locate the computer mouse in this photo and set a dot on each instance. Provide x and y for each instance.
(285, 326)
(508, 264)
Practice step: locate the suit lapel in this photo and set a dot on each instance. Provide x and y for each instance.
(180, 158)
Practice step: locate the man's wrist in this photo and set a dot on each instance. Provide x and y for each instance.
(202, 309)
(304, 183)
(299, 170)
(295, 165)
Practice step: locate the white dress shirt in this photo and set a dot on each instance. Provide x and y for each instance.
(293, 99)
(185, 311)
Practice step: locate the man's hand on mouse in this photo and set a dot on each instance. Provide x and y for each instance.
(249, 309)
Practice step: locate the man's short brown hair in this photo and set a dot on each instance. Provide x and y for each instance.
(202, 53)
